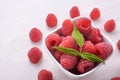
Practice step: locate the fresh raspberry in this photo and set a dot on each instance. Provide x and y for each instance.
(69, 42)
(95, 14)
(118, 44)
(57, 55)
(115, 78)
(45, 75)
(95, 36)
(34, 55)
(51, 20)
(52, 40)
(84, 66)
(89, 47)
(68, 61)
(67, 27)
(74, 12)
(104, 49)
(35, 35)
(109, 25)
(84, 25)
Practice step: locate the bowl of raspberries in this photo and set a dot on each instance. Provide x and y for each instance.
(78, 47)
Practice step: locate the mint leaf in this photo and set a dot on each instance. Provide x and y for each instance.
(78, 36)
(67, 50)
(90, 57)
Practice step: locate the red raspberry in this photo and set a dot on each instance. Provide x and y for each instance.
(35, 35)
(67, 27)
(89, 47)
(51, 20)
(104, 49)
(84, 66)
(45, 75)
(84, 25)
(68, 61)
(57, 55)
(109, 25)
(95, 14)
(74, 12)
(118, 44)
(34, 55)
(115, 78)
(95, 36)
(52, 40)
(69, 42)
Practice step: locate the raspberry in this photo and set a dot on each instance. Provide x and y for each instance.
(57, 55)
(115, 78)
(45, 75)
(67, 27)
(95, 14)
(35, 35)
(84, 66)
(52, 40)
(89, 47)
(104, 49)
(74, 12)
(118, 44)
(84, 25)
(34, 55)
(69, 42)
(68, 61)
(109, 25)
(51, 20)
(95, 36)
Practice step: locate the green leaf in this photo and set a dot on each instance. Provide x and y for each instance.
(78, 36)
(67, 50)
(91, 57)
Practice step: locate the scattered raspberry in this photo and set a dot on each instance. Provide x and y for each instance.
(34, 55)
(89, 47)
(45, 75)
(35, 35)
(95, 14)
(84, 25)
(84, 66)
(104, 49)
(115, 78)
(95, 36)
(67, 27)
(118, 44)
(57, 55)
(68, 61)
(74, 12)
(52, 40)
(51, 20)
(109, 25)
(69, 42)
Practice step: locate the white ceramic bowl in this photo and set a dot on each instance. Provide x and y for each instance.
(76, 76)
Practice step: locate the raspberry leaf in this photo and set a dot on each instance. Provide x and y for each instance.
(78, 37)
(91, 57)
(67, 50)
